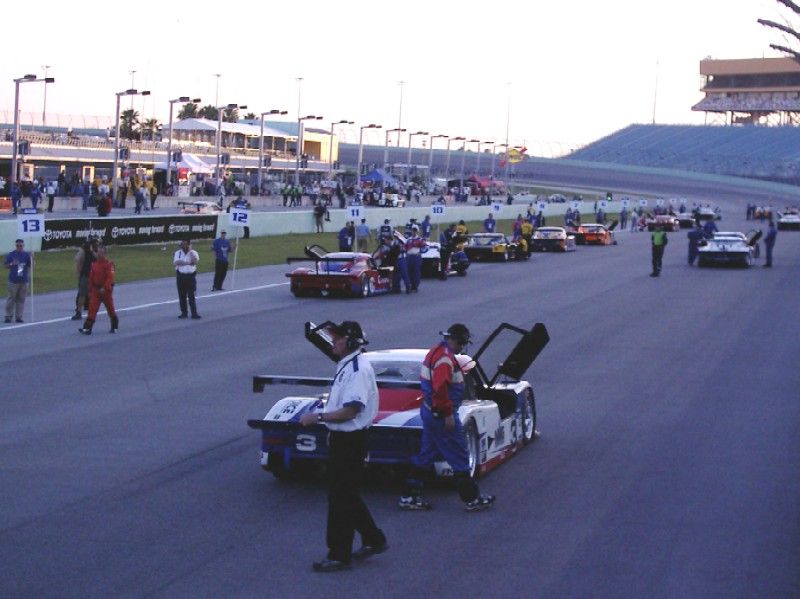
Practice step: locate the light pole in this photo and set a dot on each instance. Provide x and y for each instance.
(330, 146)
(361, 149)
(478, 161)
(216, 88)
(400, 114)
(261, 143)
(408, 158)
(447, 162)
(182, 100)
(430, 156)
(128, 92)
(397, 130)
(299, 151)
(220, 110)
(15, 140)
(464, 156)
(44, 104)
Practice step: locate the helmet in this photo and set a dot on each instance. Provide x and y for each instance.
(459, 333)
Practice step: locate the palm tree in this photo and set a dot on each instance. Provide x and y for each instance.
(250, 116)
(230, 115)
(189, 111)
(128, 124)
(149, 127)
(787, 29)
(208, 112)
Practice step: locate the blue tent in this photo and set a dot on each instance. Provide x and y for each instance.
(379, 177)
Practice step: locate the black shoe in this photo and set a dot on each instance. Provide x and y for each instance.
(183, 316)
(19, 320)
(77, 316)
(196, 317)
(8, 319)
(652, 274)
(213, 289)
(369, 550)
(113, 330)
(85, 331)
(331, 565)
(482, 502)
(408, 290)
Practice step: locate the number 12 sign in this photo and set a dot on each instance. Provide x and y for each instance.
(239, 217)
(30, 225)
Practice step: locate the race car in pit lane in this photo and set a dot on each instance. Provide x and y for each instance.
(789, 221)
(729, 248)
(498, 411)
(594, 234)
(552, 239)
(432, 263)
(493, 246)
(352, 274)
(669, 222)
(685, 220)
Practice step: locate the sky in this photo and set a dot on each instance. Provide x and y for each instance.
(560, 74)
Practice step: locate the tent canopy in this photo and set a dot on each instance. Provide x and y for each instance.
(188, 161)
(379, 176)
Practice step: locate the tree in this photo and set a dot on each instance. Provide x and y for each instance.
(787, 29)
(129, 124)
(230, 115)
(208, 112)
(250, 116)
(148, 129)
(189, 111)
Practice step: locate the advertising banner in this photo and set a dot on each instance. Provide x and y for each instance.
(72, 232)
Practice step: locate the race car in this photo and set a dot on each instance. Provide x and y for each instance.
(594, 234)
(493, 246)
(552, 239)
(432, 263)
(392, 200)
(729, 248)
(667, 221)
(789, 221)
(685, 220)
(351, 274)
(498, 412)
(704, 213)
(199, 207)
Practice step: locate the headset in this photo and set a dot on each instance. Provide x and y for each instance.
(353, 334)
(459, 333)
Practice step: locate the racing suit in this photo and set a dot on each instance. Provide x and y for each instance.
(414, 246)
(442, 391)
(400, 267)
(101, 285)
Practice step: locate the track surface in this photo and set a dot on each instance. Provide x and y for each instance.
(667, 464)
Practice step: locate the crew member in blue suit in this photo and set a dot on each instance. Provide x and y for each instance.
(414, 247)
(344, 238)
(443, 435)
(426, 226)
(489, 224)
(695, 236)
(400, 266)
(769, 243)
(709, 228)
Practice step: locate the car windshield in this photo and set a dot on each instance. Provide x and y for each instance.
(333, 266)
(486, 239)
(395, 369)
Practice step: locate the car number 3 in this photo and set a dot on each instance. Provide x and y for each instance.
(306, 442)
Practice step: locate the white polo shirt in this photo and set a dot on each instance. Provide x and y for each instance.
(186, 257)
(354, 383)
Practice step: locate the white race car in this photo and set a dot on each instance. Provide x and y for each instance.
(729, 248)
(789, 221)
(498, 412)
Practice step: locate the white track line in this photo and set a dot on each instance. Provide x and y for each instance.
(15, 327)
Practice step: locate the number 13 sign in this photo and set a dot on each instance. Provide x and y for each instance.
(30, 225)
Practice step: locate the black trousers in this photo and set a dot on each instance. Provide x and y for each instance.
(187, 285)
(347, 512)
(220, 272)
(658, 255)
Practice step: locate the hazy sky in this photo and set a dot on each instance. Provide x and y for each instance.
(578, 70)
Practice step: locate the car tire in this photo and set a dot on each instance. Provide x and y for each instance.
(366, 286)
(276, 465)
(701, 262)
(473, 448)
(324, 292)
(528, 417)
(748, 261)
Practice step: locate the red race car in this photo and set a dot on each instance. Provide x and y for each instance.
(594, 234)
(352, 274)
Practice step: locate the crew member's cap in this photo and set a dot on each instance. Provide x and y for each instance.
(350, 329)
(459, 333)
(385, 221)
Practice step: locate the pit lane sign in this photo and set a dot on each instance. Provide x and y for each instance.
(575, 204)
(354, 212)
(541, 206)
(239, 217)
(603, 204)
(642, 202)
(496, 207)
(625, 203)
(437, 210)
(30, 224)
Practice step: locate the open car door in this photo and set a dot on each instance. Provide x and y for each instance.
(753, 236)
(315, 252)
(525, 348)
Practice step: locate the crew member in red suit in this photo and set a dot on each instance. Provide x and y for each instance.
(101, 286)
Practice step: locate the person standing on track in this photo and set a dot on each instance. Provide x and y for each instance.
(101, 289)
(221, 248)
(658, 241)
(442, 432)
(351, 407)
(414, 247)
(185, 261)
(769, 243)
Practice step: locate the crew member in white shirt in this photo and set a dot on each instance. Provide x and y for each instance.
(185, 261)
(352, 405)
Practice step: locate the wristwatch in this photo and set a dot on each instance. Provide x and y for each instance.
(319, 417)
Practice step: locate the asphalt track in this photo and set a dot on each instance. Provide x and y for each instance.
(666, 467)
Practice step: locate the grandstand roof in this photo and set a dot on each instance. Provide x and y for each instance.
(241, 128)
(748, 66)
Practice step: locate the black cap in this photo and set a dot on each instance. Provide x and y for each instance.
(459, 333)
(350, 329)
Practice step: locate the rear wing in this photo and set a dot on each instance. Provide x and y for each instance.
(263, 380)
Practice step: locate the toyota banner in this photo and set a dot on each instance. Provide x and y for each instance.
(72, 232)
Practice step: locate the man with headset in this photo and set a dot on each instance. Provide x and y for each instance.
(442, 432)
(352, 405)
